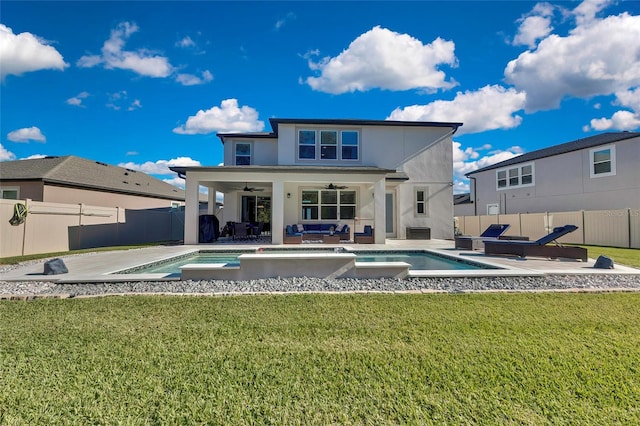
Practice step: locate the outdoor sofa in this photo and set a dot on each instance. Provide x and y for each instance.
(294, 234)
(540, 247)
(365, 237)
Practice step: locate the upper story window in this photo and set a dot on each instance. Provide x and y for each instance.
(602, 161)
(243, 153)
(307, 144)
(328, 144)
(350, 145)
(516, 176)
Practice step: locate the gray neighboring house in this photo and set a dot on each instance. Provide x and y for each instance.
(75, 180)
(600, 172)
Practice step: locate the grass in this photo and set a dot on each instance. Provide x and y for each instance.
(322, 359)
(629, 257)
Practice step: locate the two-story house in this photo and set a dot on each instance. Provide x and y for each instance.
(600, 172)
(394, 176)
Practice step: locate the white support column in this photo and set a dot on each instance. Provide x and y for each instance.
(379, 212)
(277, 212)
(211, 202)
(191, 210)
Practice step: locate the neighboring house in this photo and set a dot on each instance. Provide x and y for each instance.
(462, 205)
(75, 180)
(600, 172)
(395, 176)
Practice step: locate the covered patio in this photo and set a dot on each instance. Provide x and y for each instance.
(290, 194)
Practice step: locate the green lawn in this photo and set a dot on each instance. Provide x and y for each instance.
(322, 359)
(629, 257)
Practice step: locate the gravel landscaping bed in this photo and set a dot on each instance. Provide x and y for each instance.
(305, 284)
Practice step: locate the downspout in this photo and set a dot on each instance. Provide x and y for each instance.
(475, 204)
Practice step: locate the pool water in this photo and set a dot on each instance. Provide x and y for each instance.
(419, 260)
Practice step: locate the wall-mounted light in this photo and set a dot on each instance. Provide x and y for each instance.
(288, 195)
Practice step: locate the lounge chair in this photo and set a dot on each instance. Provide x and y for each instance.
(539, 247)
(493, 232)
(365, 237)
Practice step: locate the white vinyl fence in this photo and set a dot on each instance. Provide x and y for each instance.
(54, 227)
(613, 228)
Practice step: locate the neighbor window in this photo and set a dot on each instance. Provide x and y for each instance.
(515, 176)
(243, 153)
(603, 161)
(9, 193)
(328, 205)
(421, 202)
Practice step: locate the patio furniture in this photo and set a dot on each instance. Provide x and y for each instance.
(331, 239)
(493, 232)
(539, 247)
(240, 231)
(365, 237)
(291, 237)
(344, 233)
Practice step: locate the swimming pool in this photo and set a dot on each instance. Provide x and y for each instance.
(419, 260)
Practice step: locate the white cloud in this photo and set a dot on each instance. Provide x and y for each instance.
(586, 11)
(229, 117)
(25, 52)
(120, 100)
(6, 155)
(384, 59)
(468, 159)
(141, 61)
(186, 42)
(27, 134)
(176, 181)
(491, 107)
(34, 157)
(620, 120)
(535, 26)
(160, 167)
(192, 80)
(598, 57)
(77, 100)
(623, 119)
(281, 22)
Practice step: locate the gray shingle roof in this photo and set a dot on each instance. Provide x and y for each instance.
(590, 142)
(82, 173)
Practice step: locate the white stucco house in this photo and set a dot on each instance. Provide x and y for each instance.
(394, 176)
(600, 172)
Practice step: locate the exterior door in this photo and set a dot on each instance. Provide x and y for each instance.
(390, 214)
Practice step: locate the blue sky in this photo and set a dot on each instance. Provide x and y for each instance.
(148, 84)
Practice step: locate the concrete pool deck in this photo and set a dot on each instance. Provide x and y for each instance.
(100, 266)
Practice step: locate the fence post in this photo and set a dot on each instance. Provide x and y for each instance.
(27, 205)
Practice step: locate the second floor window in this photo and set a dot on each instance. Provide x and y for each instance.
(243, 154)
(603, 161)
(329, 145)
(516, 176)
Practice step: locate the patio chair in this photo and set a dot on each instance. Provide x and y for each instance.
(493, 232)
(365, 237)
(257, 231)
(240, 231)
(539, 247)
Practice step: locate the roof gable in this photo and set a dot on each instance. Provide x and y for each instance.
(576, 145)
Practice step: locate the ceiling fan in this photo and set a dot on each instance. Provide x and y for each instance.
(333, 187)
(247, 188)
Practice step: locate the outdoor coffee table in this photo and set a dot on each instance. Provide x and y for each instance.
(331, 239)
